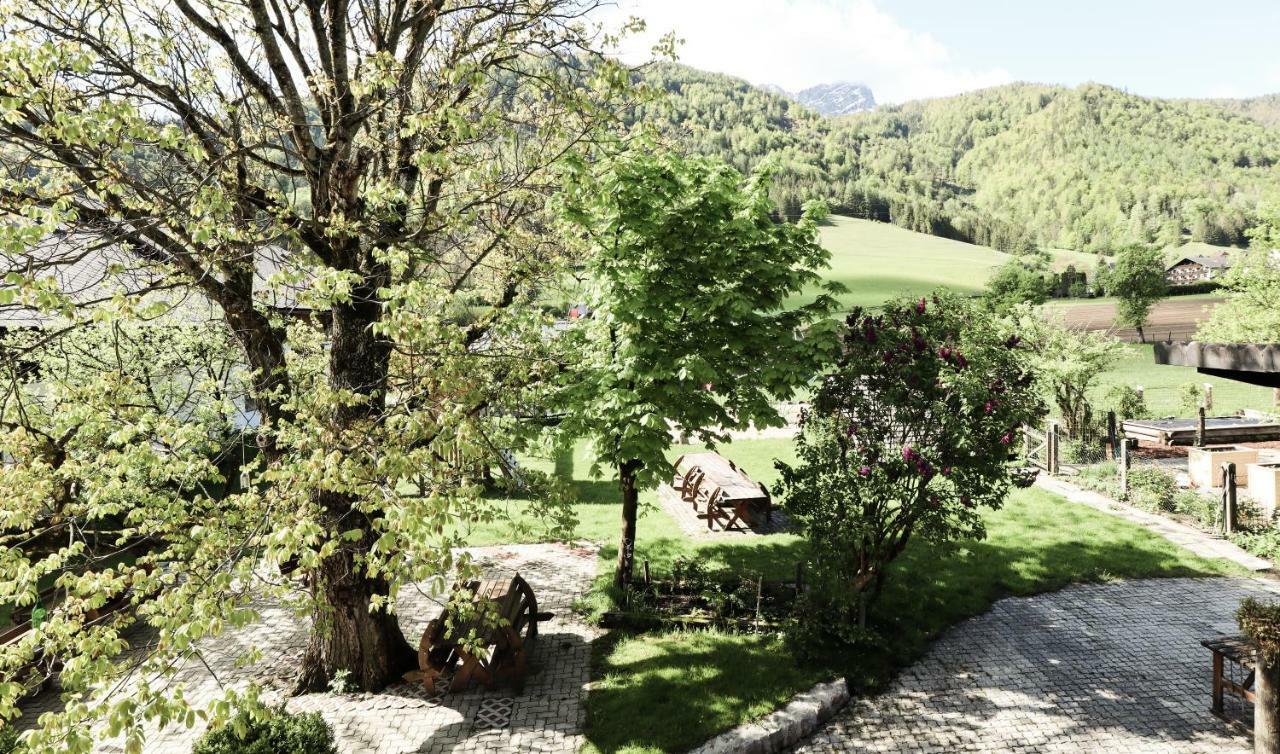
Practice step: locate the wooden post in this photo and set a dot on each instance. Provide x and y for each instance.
(1126, 458)
(1200, 427)
(759, 598)
(1208, 396)
(1051, 447)
(1026, 444)
(1228, 498)
(1275, 397)
(1215, 704)
(648, 581)
(1112, 437)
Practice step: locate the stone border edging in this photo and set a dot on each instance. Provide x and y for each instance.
(784, 727)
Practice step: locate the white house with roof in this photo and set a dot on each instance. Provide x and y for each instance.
(1197, 269)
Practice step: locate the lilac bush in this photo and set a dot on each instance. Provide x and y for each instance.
(909, 437)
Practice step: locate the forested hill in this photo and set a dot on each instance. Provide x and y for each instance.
(1011, 167)
(1264, 109)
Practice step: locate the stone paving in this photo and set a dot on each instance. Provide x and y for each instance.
(1112, 667)
(546, 716)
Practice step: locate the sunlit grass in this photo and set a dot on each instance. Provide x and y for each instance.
(1162, 386)
(671, 690)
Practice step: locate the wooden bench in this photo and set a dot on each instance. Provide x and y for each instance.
(1239, 651)
(490, 645)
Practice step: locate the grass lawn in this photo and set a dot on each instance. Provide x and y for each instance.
(668, 691)
(1162, 386)
(878, 261)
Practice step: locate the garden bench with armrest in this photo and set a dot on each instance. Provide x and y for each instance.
(491, 645)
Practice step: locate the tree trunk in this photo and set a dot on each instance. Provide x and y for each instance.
(1142, 338)
(346, 634)
(630, 506)
(1266, 706)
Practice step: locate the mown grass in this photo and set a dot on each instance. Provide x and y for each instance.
(671, 690)
(879, 261)
(1162, 386)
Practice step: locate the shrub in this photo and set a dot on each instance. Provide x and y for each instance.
(1127, 403)
(908, 439)
(8, 740)
(1260, 621)
(1264, 543)
(1084, 451)
(278, 733)
(1151, 488)
(1190, 399)
(1205, 510)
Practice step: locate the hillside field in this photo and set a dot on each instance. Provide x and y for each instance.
(877, 261)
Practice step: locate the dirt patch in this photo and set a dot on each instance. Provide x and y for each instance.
(1171, 319)
(1150, 451)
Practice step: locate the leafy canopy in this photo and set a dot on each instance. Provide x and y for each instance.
(1018, 281)
(1137, 279)
(687, 279)
(396, 159)
(1067, 362)
(1251, 312)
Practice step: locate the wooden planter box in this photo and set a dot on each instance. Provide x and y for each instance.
(1204, 465)
(1264, 487)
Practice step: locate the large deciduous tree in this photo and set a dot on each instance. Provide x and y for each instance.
(396, 158)
(1068, 363)
(909, 437)
(688, 283)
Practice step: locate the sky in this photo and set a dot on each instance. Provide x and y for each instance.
(909, 49)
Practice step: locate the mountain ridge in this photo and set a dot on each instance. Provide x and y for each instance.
(837, 98)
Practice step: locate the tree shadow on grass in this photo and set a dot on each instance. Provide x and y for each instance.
(667, 691)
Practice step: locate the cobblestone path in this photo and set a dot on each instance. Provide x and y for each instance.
(547, 716)
(1095, 668)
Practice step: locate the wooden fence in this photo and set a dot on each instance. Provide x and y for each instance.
(1042, 448)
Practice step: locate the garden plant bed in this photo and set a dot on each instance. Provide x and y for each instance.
(693, 600)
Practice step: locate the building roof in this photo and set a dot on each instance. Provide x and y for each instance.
(90, 270)
(1254, 363)
(1219, 262)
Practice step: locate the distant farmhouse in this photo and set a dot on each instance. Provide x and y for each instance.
(1191, 270)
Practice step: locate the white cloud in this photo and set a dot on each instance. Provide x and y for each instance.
(799, 43)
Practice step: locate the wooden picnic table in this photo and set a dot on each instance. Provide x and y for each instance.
(730, 495)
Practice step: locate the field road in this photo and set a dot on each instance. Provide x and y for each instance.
(1171, 319)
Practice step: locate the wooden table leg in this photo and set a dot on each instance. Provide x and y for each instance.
(1216, 707)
